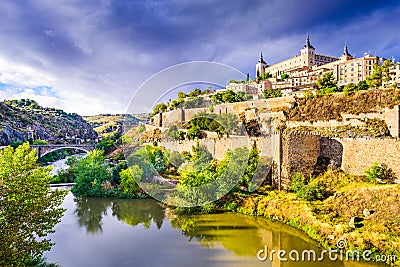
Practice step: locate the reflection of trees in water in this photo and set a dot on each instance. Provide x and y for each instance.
(232, 231)
(136, 212)
(90, 212)
(246, 235)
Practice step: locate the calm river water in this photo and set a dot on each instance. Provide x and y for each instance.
(112, 232)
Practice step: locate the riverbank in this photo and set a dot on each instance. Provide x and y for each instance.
(332, 220)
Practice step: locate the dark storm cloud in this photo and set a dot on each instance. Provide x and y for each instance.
(95, 54)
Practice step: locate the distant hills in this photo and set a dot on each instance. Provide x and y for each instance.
(25, 119)
(109, 123)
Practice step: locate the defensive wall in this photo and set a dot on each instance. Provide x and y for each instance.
(299, 152)
(250, 108)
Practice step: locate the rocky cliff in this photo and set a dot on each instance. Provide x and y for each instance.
(21, 120)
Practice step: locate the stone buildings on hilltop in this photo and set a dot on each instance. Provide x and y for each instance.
(302, 71)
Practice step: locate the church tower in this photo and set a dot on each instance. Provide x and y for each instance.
(345, 55)
(308, 53)
(260, 66)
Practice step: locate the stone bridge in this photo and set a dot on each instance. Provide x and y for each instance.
(42, 150)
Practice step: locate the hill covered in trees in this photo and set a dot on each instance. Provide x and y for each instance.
(25, 120)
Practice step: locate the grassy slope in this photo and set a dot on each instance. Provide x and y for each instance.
(328, 221)
(331, 107)
(108, 123)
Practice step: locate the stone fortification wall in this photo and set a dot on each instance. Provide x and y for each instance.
(250, 108)
(390, 115)
(357, 155)
(300, 152)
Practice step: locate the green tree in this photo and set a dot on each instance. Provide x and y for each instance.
(195, 92)
(91, 173)
(194, 132)
(142, 158)
(229, 96)
(380, 74)
(263, 77)
(129, 178)
(362, 85)
(350, 88)
(161, 107)
(253, 160)
(228, 121)
(181, 135)
(181, 95)
(40, 142)
(176, 159)
(106, 144)
(386, 75)
(159, 161)
(284, 76)
(327, 81)
(28, 209)
(375, 79)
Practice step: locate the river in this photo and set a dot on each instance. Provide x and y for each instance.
(61, 164)
(114, 232)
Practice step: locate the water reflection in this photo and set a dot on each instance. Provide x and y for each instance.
(90, 212)
(136, 212)
(113, 232)
(245, 236)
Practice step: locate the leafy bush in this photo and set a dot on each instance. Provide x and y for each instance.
(141, 158)
(310, 192)
(194, 132)
(106, 144)
(129, 178)
(272, 93)
(297, 183)
(176, 159)
(230, 206)
(40, 142)
(380, 173)
(115, 172)
(16, 144)
(252, 164)
(228, 96)
(173, 132)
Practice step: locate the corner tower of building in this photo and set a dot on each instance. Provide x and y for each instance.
(260, 66)
(308, 53)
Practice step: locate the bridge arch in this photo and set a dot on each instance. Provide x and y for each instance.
(66, 147)
(42, 150)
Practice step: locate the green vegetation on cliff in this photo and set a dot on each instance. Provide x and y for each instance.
(18, 117)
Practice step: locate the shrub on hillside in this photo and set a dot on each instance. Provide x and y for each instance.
(380, 173)
(310, 192)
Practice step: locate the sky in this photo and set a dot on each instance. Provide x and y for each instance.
(91, 56)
